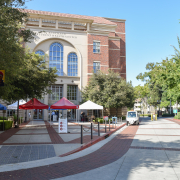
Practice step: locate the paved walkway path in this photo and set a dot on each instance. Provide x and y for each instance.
(150, 151)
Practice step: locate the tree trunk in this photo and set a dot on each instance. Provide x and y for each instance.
(16, 124)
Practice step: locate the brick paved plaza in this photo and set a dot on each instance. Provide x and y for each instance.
(148, 151)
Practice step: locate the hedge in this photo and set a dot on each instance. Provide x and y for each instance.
(101, 121)
(146, 115)
(167, 115)
(7, 124)
(1, 118)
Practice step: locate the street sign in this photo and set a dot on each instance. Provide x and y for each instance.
(174, 110)
(62, 128)
(2, 77)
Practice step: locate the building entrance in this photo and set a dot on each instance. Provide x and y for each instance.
(71, 114)
(38, 114)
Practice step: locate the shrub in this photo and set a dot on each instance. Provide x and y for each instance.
(147, 115)
(100, 120)
(123, 117)
(1, 118)
(176, 117)
(7, 124)
(167, 115)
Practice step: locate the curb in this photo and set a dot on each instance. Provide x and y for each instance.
(92, 142)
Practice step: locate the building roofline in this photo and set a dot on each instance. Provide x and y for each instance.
(115, 20)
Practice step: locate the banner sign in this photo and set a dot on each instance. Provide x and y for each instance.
(62, 127)
(2, 77)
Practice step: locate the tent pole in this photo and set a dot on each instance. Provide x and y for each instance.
(76, 115)
(3, 120)
(102, 115)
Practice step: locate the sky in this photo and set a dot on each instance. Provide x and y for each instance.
(152, 26)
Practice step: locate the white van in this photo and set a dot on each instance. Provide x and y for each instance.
(132, 118)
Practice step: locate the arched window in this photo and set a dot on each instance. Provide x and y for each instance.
(56, 57)
(72, 64)
(41, 53)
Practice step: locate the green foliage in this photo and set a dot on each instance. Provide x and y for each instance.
(178, 115)
(7, 124)
(146, 115)
(163, 80)
(26, 75)
(109, 90)
(123, 117)
(141, 91)
(100, 120)
(167, 115)
(1, 118)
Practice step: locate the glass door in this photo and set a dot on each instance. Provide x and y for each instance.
(38, 114)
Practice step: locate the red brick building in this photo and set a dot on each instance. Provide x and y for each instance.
(77, 46)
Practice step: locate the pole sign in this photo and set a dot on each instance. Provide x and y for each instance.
(174, 110)
(2, 77)
(105, 118)
(62, 127)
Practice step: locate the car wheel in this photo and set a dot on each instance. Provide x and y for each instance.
(137, 123)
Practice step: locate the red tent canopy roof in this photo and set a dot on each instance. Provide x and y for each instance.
(33, 104)
(64, 104)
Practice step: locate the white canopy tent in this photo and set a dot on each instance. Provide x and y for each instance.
(90, 105)
(14, 105)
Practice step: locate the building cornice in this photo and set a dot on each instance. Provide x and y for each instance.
(60, 18)
(115, 20)
(114, 38)
(104, 33)
(54, 29)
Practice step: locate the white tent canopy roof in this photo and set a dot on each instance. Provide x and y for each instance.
(90, 105)
(14, 105)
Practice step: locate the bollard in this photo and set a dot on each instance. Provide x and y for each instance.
(105, 126)
(91, 132)
(98, 130)
(81, 134)
(109, 124)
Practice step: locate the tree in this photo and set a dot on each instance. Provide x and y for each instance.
(164, 79)
(109, 90)
(142, 92)
(26, 73)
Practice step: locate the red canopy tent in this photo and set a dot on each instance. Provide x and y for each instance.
(33, 104)
(64, 104)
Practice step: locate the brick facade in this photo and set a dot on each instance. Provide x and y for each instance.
(112, 51)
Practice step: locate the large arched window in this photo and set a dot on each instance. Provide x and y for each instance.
(72, 64)
(56, 57)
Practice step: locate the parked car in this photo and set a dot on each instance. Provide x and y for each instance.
(132, 118)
